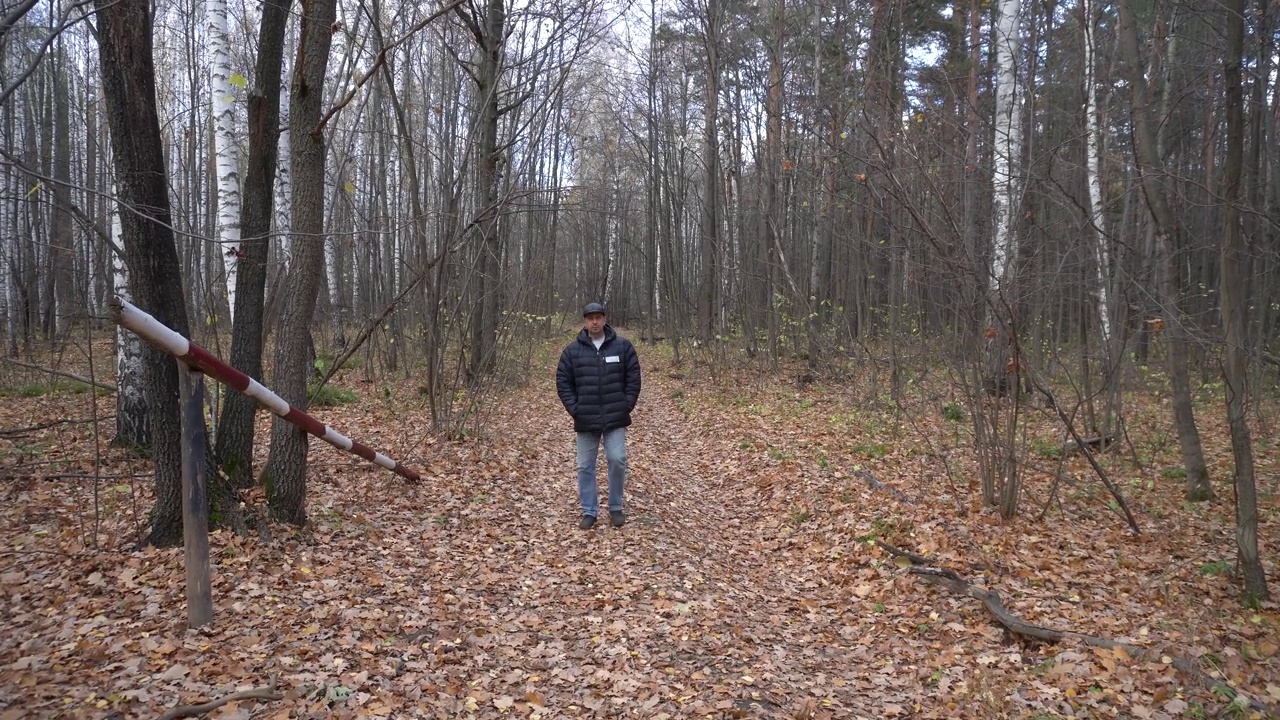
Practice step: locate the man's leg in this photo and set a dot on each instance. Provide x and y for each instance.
(615, 453)
(588, 448)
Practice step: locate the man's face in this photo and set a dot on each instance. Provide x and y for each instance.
(594, 323)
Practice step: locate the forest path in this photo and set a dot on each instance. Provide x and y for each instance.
(474, 593)
(693, 606)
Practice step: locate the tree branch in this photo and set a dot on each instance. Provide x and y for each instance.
(990, 599)
(377, 63)
(79, 378)
(260, 693)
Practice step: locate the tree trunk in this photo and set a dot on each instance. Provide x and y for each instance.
(709, 239)
(1234, 297)
(1150, 168)
(222, 92)
(484, 319)
(285, 474)
(133, 423)
(62, 236)
(770, 240)
(1008, 153)
(128, 81)
(236, 426)
(1093, 179)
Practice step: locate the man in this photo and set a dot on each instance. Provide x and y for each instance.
(598, 381)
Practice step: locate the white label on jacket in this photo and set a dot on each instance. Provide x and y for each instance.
(613, 358)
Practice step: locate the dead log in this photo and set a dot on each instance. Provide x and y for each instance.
(260, 693)
(990, 599)
(877, 485)
(1098, 444)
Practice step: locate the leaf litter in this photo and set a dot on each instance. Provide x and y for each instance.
(746, 583)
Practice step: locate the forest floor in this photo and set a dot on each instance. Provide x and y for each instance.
(746, 583)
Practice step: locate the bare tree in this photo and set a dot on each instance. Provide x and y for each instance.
(1150, 168)
(128, 75)
(1235, 311)
(285, 473)
(236, 427)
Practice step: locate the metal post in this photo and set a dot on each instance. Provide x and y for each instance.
(195, 498)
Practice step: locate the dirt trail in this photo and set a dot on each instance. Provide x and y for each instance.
(681, 610)
(472, 594)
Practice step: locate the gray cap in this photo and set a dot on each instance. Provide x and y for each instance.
(593, 308)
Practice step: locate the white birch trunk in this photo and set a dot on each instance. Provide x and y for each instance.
(331, 249)
(8, 244)
(1094, 180)
(1008, 141)
(613, 237)
(132, 424)
(284, 182)
(223, 93)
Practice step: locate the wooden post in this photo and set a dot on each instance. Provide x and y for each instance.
(195, 499)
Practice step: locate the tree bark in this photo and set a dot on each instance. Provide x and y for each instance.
(709, 239)
(62, 237)
(1150, 168)
(285, 474)
(484, 319)
(1234, 298)
(128, 80)
(222, 93)
(236, 427)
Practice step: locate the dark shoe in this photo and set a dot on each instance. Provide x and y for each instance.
(588, 521)
(616, 518)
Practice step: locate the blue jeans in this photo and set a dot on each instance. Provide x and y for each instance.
(615, 454)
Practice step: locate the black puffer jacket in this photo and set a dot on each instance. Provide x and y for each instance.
(599, 388)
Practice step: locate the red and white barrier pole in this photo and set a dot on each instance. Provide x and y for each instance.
(153, 331)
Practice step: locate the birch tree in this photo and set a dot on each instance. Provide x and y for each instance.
(1008, 148)
(1005, 478)
(1093, 180)
(222, 93)
(236, 430)
(133, 422)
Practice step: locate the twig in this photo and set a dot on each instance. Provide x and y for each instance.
(81, 476)
(39, 552)
(899, 552)
(1088, 454)
(377, 63)
(63, 373)
(44, 426)
(260, 693)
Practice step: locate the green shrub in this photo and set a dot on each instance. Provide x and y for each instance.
(331, 396)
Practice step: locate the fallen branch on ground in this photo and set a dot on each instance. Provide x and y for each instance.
(18, 432)
(1101, 443)
(63, 373)
(990, 599)
(259, 693)
(877, 485)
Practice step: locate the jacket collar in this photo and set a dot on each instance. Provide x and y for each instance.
(609, 334)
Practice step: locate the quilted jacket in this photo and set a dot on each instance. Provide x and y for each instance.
(599, 388)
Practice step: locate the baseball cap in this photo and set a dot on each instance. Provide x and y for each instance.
(593, 308)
